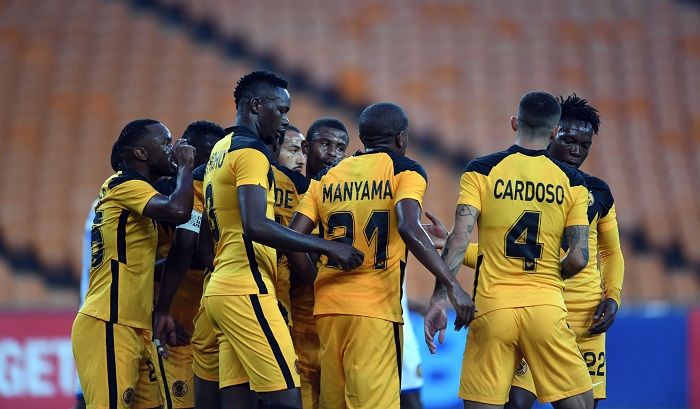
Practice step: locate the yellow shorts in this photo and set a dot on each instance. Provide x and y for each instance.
(177, 378)
(592, 349)
(205, 347)
(114, 364)
(360, 361)
(307, 346)
(500, 339)
(254, 342)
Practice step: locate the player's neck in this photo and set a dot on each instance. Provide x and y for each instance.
(534, 144)
(142, 169)
(248, 123)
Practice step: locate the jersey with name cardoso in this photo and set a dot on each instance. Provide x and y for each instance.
(526, 199)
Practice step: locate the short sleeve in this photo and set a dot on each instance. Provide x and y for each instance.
(410, 185)
(133, 194)
(608, 222)
(251, 167)
(469, 190)
(308, 205)
(578, 214)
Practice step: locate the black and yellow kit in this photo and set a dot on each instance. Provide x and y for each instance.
(526, 199)
(176, 373)
(254, 341)
(585, 290)
(290, 186)
(111, 334)
(354, 203)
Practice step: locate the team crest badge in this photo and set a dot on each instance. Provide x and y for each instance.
(419, 372)
(179, 389)
(128, 396)
(522, 369)
(591, 199)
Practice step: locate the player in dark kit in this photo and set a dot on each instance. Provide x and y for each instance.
(255, 347)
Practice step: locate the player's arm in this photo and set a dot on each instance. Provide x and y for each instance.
(176, 264)
(576, 234)
(576, 259)
(177, 207)
(252, 200)
(453, 255)
(612, 269)
(408, 212)
(302, 264)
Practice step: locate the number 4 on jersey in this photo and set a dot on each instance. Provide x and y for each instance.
(522, 240)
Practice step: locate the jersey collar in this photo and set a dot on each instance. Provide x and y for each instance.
(528, 152)
(379, 149)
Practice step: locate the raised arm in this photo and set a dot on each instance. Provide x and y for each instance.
(177, 207)
(253, 202)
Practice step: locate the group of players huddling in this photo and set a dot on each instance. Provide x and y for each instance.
(276, 289)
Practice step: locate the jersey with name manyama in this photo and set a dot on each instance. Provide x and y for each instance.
(123, 253)
(354, 202)
(526, 199)
(583, 292)
(241, 266)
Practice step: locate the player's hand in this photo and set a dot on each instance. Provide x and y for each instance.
(347, 256)
(464, 306)
(435, 321)
(181, 336)
(183, 153)
(164, 331)
(436, 231)
(604, 316)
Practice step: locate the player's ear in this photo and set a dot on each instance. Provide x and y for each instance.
(401, 139)
(140, 153)
(554, 133)
(514, 123)
(255, 105)
(304, 147)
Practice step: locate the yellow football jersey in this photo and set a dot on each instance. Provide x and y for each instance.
(290, 186)
(354, 202)
(241, 266)
(123, 253)
(584, 291)
(526, 199)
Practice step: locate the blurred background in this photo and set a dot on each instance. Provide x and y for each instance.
(73, 72)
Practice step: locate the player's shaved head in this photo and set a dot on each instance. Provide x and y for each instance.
(538, 114)
(381, 122)
(257, 84)
(131, 135)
